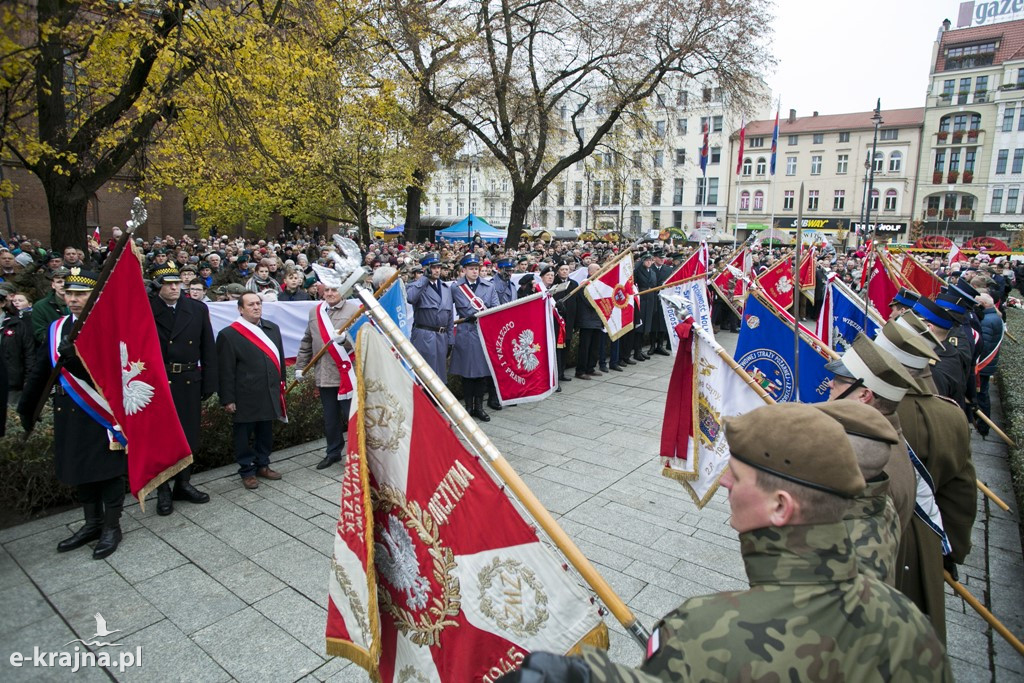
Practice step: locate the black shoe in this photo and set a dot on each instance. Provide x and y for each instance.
(628, 361)
(184, 490)
(662, 352)
(109, 540)
(89, 532)
(616, 368)
(164, 500)
(639, 355)
(563, 378)
(493, 403)
(478, 411)
(558, 390)
(604, 369)
(327, 462)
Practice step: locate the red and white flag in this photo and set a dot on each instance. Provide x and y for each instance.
(96, 234)
(612, 294)
(808, 272)
(777, 283)
(693, 267)
(519, 343)
(702, 391)
(955, 254)
(919, 277)
(435, 574)
(733, 279)
(119, 346)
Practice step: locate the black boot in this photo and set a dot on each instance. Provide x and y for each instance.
(661, 351)
(89, 532)
(478, 410)
(110, 537)
(184, 490)
(164, 500)
(492, 402)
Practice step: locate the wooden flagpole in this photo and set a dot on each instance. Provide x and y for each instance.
(351, 321)
(992, 496)
(1002, 435)
(985, 614)
(673, 284)
(736, 367)
(907, 254)
(483, 444)
(725, 299)
(796, 292)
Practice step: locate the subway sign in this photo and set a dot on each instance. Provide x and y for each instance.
(975, 13)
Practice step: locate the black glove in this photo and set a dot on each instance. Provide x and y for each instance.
(66, 348)
(950, 566)
(544, 667)
(560, 307)
(206, 396)
(470, 318)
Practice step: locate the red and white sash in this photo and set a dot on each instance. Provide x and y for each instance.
(337, 351)
(260, 340)
(474, 301)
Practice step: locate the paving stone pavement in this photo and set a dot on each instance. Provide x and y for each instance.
(235, 589)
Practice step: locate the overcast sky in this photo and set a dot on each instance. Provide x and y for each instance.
(839, 58)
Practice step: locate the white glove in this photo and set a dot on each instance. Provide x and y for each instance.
(340, 338)
(299, 375)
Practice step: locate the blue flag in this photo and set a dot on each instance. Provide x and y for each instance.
(775, 141)
(765, 351)
(393, 301)
(848, 319)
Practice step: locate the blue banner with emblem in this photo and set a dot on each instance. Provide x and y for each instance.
(848, 319)
(765, 351)
(392, 301)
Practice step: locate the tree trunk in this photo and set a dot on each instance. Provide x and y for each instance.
(413, 200)
(67, 214)
(364, 221)
(517, 219)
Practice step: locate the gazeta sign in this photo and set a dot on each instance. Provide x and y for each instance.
(974, 13)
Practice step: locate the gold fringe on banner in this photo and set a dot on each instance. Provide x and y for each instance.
(160, 479)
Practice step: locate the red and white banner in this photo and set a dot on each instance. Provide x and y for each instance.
(733, 279)
(920, 277)
(955, 255)
(777, 283)
(119, 346)
(346, 373)
(693, 267)
(435, 575)
(808, 272)
(702, 391)
(612, 294)
(519, 343)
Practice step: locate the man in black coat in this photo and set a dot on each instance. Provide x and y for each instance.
(659, 333)
(82, 449)
(190, 357)
(250, 364)
(645, 277)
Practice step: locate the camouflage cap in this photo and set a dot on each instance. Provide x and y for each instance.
(912, 322)
(799, 443)
(906, 346)
(875, 368)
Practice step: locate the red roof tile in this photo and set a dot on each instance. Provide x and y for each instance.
(1009, 34)
(891, 118)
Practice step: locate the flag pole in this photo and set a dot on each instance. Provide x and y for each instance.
(508, 475)
(672, 284)
(139, 217)
(605, 269)
(797, 293)
(984, 613)
(349, 323)
(733, 365)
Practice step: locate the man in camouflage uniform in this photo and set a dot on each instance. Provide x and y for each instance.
(809, 613)
(871, 518)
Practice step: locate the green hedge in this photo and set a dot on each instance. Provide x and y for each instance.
(1010, 377)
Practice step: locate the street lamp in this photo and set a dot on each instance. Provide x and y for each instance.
(877, 118)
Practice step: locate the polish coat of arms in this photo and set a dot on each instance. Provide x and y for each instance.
(524, 350)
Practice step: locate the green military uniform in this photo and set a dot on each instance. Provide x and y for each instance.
(874, 528)
(44, 312)
(937, 431)
(809, 615)
(902, 482)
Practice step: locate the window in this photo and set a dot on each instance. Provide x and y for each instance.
(895, 162)
(969, 156)
(677, 219)
(965, 88)
(970, 56)
(712, 191)
(744, 201)
(790, 165)
(462, 208)
(890, 200)
(473, 184)
(449, 207)
(816, 164)
(188, 214)
(702, 184)
(1011, 199)
(879, 162)
(1001, 161)
(762, 166)
(634, 197)
(561, 194)
(940, 161)
(655, 220)
(788, 198)
(595, 196)
(997, 200)
(716, 155)
(659, 128)
(707, 191)
(981, 89)
(504, 185)
(947, 89)
(794, 139)
(1008, 114)
(716, 124)
(544, 197)
(747, 166)
(704, 123)
(1020, 79)
(975, 121)
(681, 126)
(705, 95)
(656, 191)
(755, 142)
(759, 201)
(873, 204)
(1018, 161)
(839, 200)
(634, 221)
(677, 192)
(680, 156)
(842, 164)
(954, 160)
(818, 139)
(1020, 121)
(960, 122)
(812, 200)
(578, 192)
(659, 159)
(681, 98)
(577, 219)
(844, 136)
(889, 134)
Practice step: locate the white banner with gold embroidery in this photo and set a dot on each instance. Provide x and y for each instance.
(464, 587)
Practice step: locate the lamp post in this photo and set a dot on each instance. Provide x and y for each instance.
(877, 118)
(469, 205)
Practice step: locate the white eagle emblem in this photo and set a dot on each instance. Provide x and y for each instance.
(524, 350)
(396, 560)
(784, 285)
(136, 394)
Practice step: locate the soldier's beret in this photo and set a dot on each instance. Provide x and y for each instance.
(235, 288)
(218, 290)
(59, 272)
(911, 322)
(930, 312)
(799, 443)
(204, 264)
(875, 368)
(54, 254)
(866, 422)
(906, 346)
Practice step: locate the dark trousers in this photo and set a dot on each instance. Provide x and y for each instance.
(107, 495)
(249, 459)
(984, 403)
(588, 351)
(474, 387)
(335, 420)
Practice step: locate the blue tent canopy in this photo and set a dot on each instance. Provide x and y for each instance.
(462, 232)
(398, 229)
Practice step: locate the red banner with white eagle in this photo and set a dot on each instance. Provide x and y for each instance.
(611, 295)
(777, 282)
(694, 266)
(119, 346)
(519, 343)
(436, 576)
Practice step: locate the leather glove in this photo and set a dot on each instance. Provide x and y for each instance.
(299, 375)
(66, 348)
(469, 318)
(560, 307)
(950, 566)
(544, 667)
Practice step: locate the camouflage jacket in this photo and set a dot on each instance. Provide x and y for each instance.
(809, 615)
(874, 529)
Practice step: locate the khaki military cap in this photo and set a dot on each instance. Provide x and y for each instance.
(875, 368)
(799, 443)
(860, 419)
(908, 347)
(911, 321)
